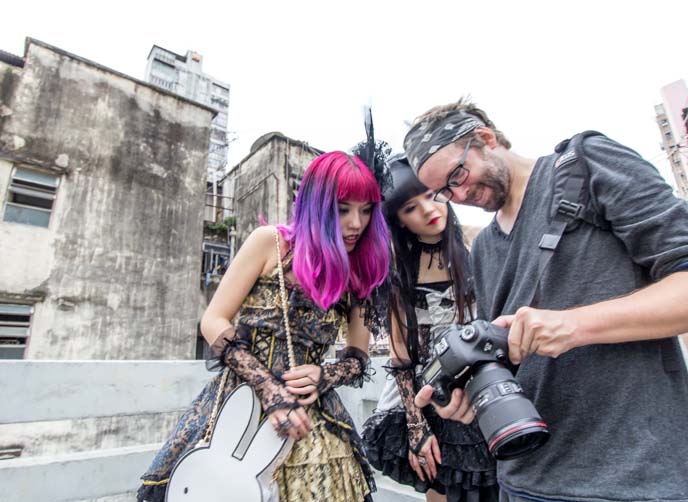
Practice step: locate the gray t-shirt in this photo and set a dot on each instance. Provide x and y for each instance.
(618, 413)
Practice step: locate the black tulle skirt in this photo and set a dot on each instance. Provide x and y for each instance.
(467, 472)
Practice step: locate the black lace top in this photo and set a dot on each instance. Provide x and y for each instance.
(313, 329)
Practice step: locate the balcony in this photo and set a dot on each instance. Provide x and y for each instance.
(165, 56)
(165, 84)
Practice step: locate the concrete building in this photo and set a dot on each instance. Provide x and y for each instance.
(265, 182)
(672, 119)
(102, 182)
(184, 75)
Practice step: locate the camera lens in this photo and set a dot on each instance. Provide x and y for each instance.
(509, 422)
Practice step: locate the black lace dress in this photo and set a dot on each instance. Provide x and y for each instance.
(467, 472)
(329, 461)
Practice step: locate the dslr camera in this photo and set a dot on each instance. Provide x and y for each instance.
(474, 357)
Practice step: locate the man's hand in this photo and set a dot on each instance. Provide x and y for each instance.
(536, 331)
(459, 408)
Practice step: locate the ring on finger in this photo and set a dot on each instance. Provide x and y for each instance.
(422, 461)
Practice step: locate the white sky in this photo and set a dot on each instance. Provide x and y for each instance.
(543, 70)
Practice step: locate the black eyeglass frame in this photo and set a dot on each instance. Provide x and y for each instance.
(440, 194)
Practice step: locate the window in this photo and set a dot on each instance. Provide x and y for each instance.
(220, 91)
(30, 197)
(220, 120)
(294, 184)
(14, 329)
(163, 70)
(215, 260)
(217, 154)
(218, 135)
(219, 103)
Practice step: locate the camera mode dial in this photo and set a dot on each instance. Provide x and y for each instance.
(467, 333)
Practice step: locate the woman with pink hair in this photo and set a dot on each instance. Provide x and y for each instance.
(335, 253)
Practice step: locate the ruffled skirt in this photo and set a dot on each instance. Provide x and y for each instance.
(467, 472)
(321, 466)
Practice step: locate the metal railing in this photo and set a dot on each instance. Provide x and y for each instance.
(165, 84)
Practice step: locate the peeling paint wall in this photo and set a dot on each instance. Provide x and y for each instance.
(263, 181)
(26, 251)
(120, 262)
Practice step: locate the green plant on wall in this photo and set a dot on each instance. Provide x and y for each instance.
(222, 226)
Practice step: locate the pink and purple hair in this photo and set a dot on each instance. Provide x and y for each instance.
(321, 263)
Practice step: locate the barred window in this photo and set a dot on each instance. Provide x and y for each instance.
(15, 321)
(215, 259)
(30, 197)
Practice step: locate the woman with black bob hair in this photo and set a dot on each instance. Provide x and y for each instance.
(431, 287)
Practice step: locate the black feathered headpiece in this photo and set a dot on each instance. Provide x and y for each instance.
(374, 153)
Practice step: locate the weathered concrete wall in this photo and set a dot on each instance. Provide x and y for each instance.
(123, 246)
(27, 251)
(97, 468)
(38, 439)
(263, 181)
(90, 405)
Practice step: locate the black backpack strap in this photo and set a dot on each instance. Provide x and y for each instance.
(574, 199)
(574, 205)
(573, 185)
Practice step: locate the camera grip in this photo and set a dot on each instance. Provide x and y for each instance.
(441, 396)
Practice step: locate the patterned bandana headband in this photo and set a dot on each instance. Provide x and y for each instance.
(421, 142)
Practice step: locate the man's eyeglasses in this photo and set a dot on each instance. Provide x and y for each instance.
(456, 178)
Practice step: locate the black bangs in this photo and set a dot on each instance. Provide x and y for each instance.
(405, 185)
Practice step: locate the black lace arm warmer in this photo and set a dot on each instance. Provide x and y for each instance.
(418, 429)
(271, 391)
(352, 368)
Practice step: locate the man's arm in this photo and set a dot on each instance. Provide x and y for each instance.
(657, 311)
(652, 225)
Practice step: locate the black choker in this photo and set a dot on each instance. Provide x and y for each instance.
(432, 249)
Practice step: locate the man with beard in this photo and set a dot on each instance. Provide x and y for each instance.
(599, 355)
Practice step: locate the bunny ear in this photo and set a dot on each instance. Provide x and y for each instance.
(266, 448)
(236, 422)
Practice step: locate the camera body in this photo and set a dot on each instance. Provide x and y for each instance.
(460, 349)
(474, 357)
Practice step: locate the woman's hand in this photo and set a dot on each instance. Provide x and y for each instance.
(427, 459)
(302, 381)
(294, 423)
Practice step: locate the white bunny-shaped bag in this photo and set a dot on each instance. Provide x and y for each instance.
(238, 462)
